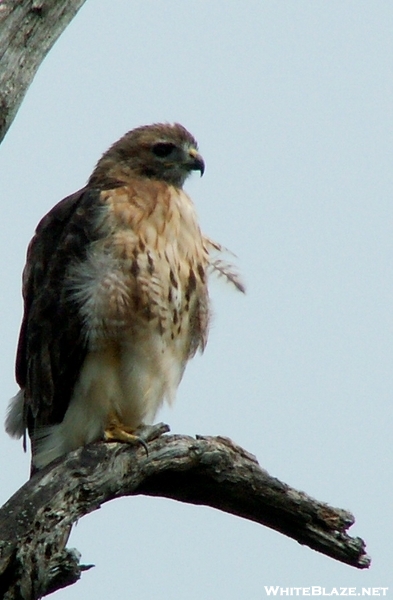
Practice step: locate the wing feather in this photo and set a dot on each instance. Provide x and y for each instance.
(51, 345)
(222, 267)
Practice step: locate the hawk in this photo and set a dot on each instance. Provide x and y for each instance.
(116, 299)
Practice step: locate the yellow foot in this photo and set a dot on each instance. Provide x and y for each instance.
(117, 432)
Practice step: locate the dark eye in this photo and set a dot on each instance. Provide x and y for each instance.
(163, 149)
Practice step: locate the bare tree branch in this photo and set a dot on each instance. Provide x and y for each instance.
(205, 470)
(28, 30)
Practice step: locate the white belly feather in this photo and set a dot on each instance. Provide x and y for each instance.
(131, 382)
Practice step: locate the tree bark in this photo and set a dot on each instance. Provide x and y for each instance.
(28, 30)
(212, 471)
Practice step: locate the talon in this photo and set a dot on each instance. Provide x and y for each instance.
(143, 443)
(116, 432)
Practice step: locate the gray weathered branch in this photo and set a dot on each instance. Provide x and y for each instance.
(28, 30)
(204, 470)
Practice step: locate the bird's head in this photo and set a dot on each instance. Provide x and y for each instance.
(162, 151)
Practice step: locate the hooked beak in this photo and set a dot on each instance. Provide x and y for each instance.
(196, 162)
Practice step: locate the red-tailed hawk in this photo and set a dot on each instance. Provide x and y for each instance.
(115, 297)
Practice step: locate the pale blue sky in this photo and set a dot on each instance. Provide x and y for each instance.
(291, 103)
